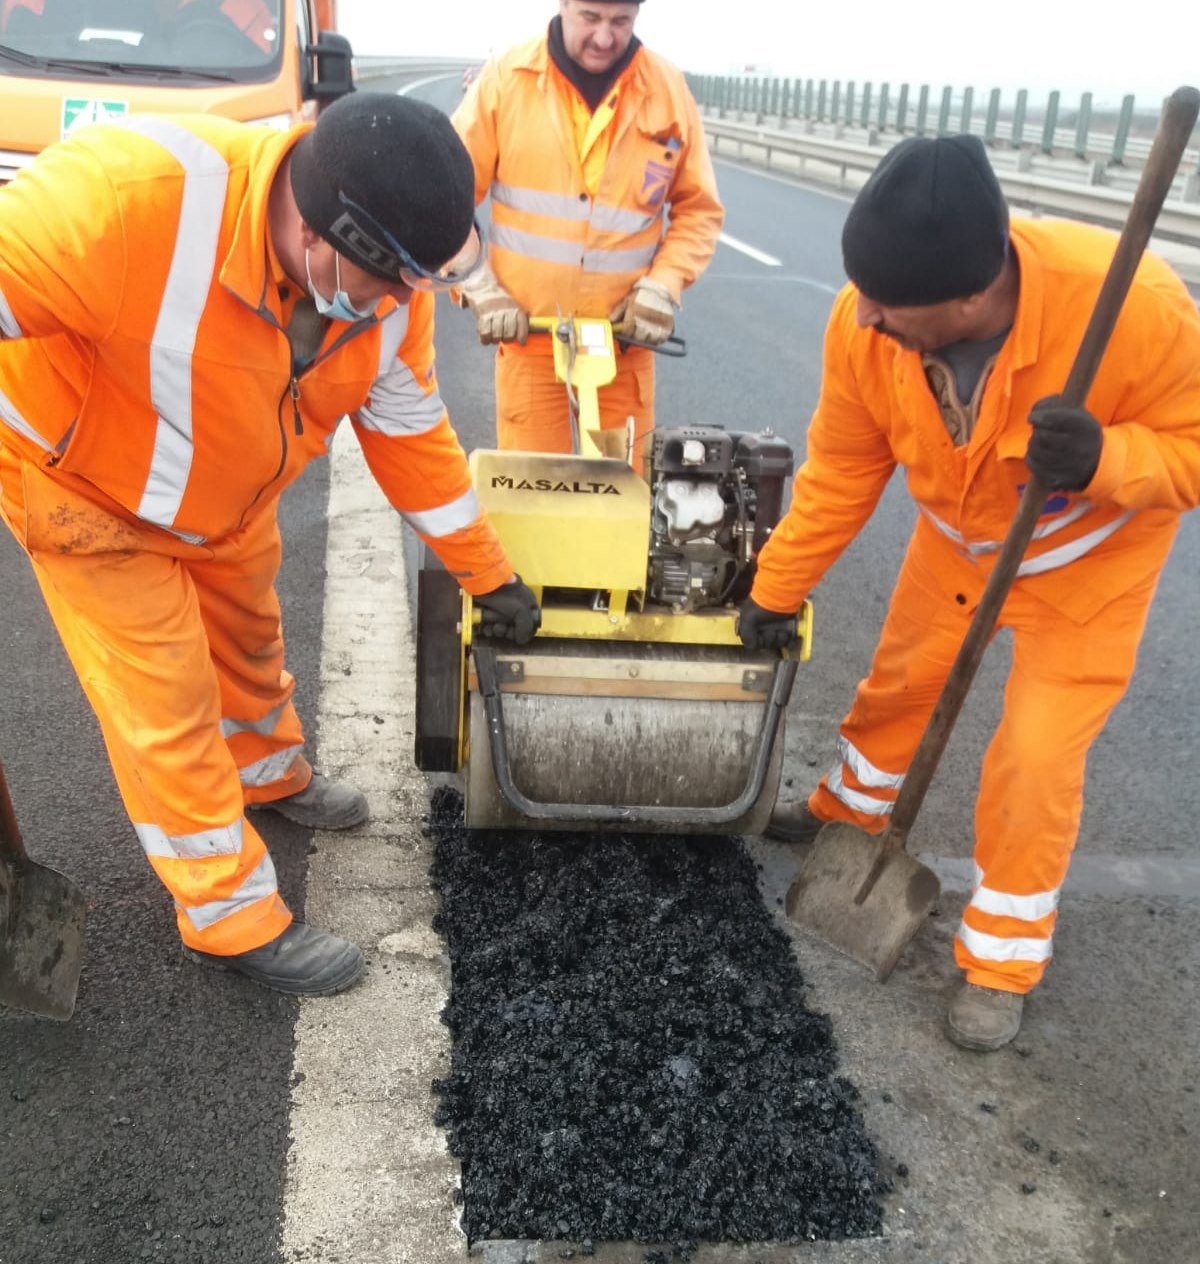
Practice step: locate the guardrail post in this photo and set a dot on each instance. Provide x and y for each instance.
(760, 99)
(882, 116)
(722, 96)
(1018, 123)
(1117, 157)
(944, 111)
(821, 89)
(774, 98)
(865, 116)
(808, 99)
(993, 115)
(1082, 123)
(1050, 123)
(902, 108)
(835, 100)
(922, 109)
(968, 103)
(848, 117)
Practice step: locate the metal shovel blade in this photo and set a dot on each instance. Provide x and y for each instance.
(41, 939)
(875, 932)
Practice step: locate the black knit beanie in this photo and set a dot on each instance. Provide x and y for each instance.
(929, 225)
(377, 160)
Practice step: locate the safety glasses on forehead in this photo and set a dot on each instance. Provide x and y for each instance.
(461, 268)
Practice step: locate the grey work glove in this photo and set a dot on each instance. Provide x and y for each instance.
(646, 313)
(510, 612)
(498, 316)
(762, 629)
(1064, 448)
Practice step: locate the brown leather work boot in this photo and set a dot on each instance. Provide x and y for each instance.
(793, 822)
(984, 1018)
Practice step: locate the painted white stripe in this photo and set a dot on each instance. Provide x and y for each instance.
(865, 771)
(752, 252)
(420, 83)
(206, 179)
(225, 840)
(363, 1060)
(446, 519)
(8, 322)
(865, 803)
(264, 727)
(995, 948)
(272, 768)
(12, 417)
(259, 884)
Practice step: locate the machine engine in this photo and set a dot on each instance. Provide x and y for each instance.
(716, 495)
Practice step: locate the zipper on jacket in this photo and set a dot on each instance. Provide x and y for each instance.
(294, 391)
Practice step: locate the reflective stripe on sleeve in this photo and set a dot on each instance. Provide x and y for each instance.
(8, 322)
(1026, 908)
(225, 840)
(997, 948)
(1072, 552)
(202, 201)
(392, 329)
(264, 727)
(260, 884)
(398, 406)
(865, 771)
(273, 768)
(13, 418)
(867, 804)
(445, 519)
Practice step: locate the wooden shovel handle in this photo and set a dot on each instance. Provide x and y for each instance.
(12, 848)
(1174, 130)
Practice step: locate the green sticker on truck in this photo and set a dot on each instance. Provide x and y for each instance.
(82, 111)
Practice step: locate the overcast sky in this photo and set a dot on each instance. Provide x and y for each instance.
(1147, 48)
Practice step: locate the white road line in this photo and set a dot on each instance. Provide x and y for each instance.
(420, 83)
(754, 253)
(759, 277)
(369, 1180)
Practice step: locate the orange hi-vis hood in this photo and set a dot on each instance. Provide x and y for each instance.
(561, 239)
(876, 411)
(145, 360)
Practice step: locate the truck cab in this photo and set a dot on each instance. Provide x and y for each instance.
(67, 63)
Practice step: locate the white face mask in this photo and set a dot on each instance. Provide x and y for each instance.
(339, 307)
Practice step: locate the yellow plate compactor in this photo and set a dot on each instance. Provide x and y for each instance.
(636, 707)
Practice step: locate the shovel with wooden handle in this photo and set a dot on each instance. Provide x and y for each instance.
(41, 927)
(863, 892)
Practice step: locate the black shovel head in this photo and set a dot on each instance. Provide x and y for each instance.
(875, 932)
(41, 939)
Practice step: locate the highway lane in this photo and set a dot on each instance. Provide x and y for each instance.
(164, 1107)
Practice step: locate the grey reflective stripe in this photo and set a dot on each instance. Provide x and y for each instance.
(8, 322)
(225, 840)
(1072, 552)
(1040, 532)
(264, 727)
(202, 201)
(19, 424)
(616, 219)
(446, 519)
(998, 948)
(398, 406)
(392, 329)
(865, 771)
(1025, 908)
(864, 803)
(535, 246)
(259, 885)
(552, 205)
(272, 768)
(636, 260)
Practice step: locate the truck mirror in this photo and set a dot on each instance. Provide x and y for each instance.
(329, 68)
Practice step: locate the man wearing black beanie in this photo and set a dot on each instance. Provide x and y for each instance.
(943, 356)
(188, 309)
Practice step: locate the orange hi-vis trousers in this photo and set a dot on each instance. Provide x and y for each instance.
(1064, 682)
(531, 403)
(179, 650)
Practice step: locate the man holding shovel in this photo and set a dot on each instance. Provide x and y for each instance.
(944, 355)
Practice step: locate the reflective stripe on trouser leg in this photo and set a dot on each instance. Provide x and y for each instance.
(235, 590)
(917, 646)
(1065, 681)
(131, 626)
(531, 403)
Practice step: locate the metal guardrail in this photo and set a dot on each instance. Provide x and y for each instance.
(377, 67)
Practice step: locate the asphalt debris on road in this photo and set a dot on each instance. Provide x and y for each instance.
(633, 1058)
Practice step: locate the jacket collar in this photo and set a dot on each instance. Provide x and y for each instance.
(1031, 297)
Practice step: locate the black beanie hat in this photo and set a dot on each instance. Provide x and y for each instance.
(929, 225)
(401, 162)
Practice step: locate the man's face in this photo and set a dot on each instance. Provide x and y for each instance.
(361, 288)
(595, 32)
(919, 328)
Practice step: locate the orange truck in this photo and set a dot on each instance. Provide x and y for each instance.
(67, 63)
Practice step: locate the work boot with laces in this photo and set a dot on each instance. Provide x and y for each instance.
(303, 961)
(322, 804)
(793, 822)
(984, 1018)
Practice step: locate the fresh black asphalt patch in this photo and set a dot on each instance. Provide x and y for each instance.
(633, 1058)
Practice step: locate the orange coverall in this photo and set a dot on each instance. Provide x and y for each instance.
(1078, 607)
(149, 419)
(578, 205)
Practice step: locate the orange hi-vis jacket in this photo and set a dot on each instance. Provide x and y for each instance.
(149, 368)
(876, 411)
(565, 236)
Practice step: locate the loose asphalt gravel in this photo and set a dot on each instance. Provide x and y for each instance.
(633, 1058)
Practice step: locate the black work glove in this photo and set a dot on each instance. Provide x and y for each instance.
(510, 612)
(764, 629)
(1064, 448)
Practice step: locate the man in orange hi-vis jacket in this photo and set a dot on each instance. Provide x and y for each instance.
(187, 310)
(589, 144)
(943, 356)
